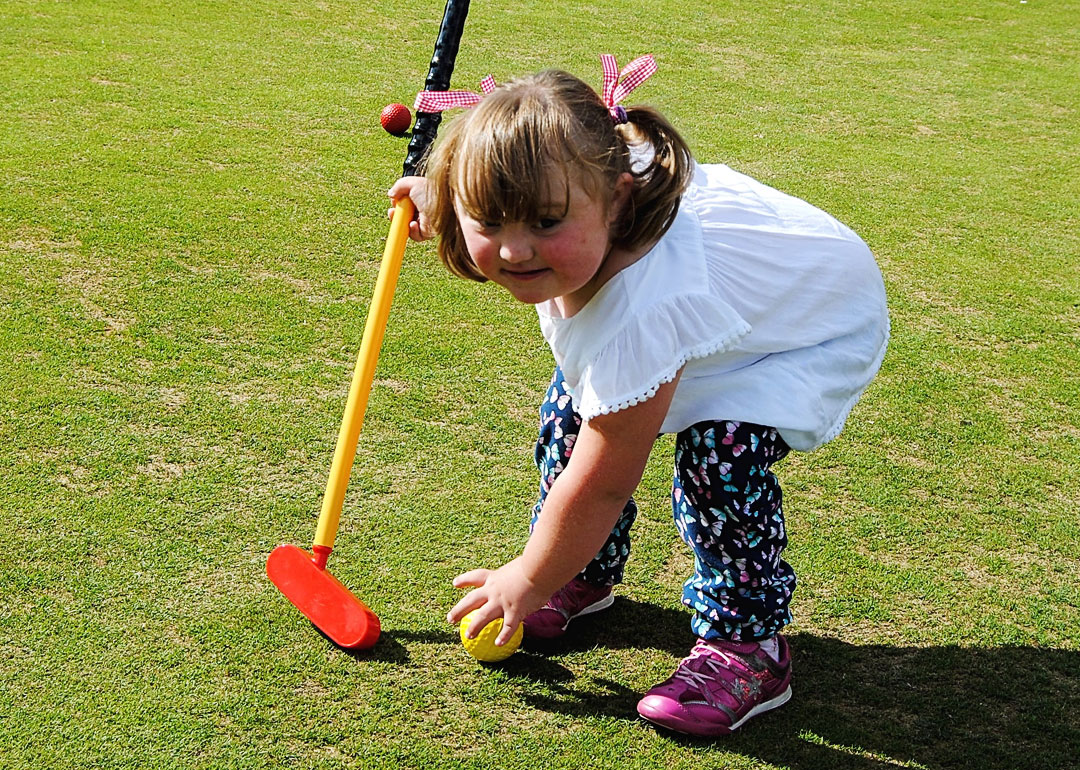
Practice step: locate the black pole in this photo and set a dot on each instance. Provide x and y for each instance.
(438, 79)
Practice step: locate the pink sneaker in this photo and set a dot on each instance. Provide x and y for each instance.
(573, 600)
(718, 687)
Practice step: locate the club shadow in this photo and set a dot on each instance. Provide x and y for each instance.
(390, 647)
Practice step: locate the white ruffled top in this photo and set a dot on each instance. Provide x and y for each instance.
(776, 310)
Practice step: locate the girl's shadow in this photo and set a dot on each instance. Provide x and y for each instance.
(861, 706)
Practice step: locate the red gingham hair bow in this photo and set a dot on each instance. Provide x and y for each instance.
(618, 85)
(438, 101)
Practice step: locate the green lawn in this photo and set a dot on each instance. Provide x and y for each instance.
(192, 213)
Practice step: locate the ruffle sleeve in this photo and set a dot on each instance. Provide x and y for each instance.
(649, 350)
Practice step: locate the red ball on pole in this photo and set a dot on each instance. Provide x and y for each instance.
(396, 118)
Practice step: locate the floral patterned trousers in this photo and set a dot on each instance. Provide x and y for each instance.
(727, 507)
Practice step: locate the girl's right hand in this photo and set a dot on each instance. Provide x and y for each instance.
(506, 592)
(415, 187)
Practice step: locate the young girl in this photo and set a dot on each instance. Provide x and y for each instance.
(676, 298)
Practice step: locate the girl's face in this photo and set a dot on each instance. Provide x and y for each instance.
(557, 256)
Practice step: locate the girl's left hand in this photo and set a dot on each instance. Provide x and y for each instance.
(506, 593)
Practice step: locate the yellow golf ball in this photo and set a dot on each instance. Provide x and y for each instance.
(483, 646)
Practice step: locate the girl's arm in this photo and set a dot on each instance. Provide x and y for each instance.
(580, 510)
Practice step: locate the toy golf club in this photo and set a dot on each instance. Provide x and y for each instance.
(301, 575)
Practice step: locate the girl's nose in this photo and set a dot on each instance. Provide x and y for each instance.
(515, 249)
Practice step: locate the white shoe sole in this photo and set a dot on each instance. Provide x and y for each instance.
(761, 708)
(664, 719)
(603, 604)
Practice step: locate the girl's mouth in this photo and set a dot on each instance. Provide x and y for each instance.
(525, 275)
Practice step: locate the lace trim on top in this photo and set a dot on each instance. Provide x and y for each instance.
(650, 350)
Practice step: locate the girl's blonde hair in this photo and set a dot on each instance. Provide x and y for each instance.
(498, 162)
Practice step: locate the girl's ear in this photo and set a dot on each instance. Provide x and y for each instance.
(624, 186)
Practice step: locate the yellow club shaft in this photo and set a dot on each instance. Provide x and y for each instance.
(364, 374)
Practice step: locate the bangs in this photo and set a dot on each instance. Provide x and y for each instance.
(514, 163)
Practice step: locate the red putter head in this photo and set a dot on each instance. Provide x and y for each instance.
(303, 578)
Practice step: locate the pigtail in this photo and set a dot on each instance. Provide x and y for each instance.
(662, 166)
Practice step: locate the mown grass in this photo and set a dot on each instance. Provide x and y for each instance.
(191, 218)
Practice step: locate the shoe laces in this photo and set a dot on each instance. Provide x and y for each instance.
(710, 670)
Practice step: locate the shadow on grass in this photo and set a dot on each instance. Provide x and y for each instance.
(862, 706)
(390, 648)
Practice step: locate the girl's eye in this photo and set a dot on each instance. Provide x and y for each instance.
(547, 223)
